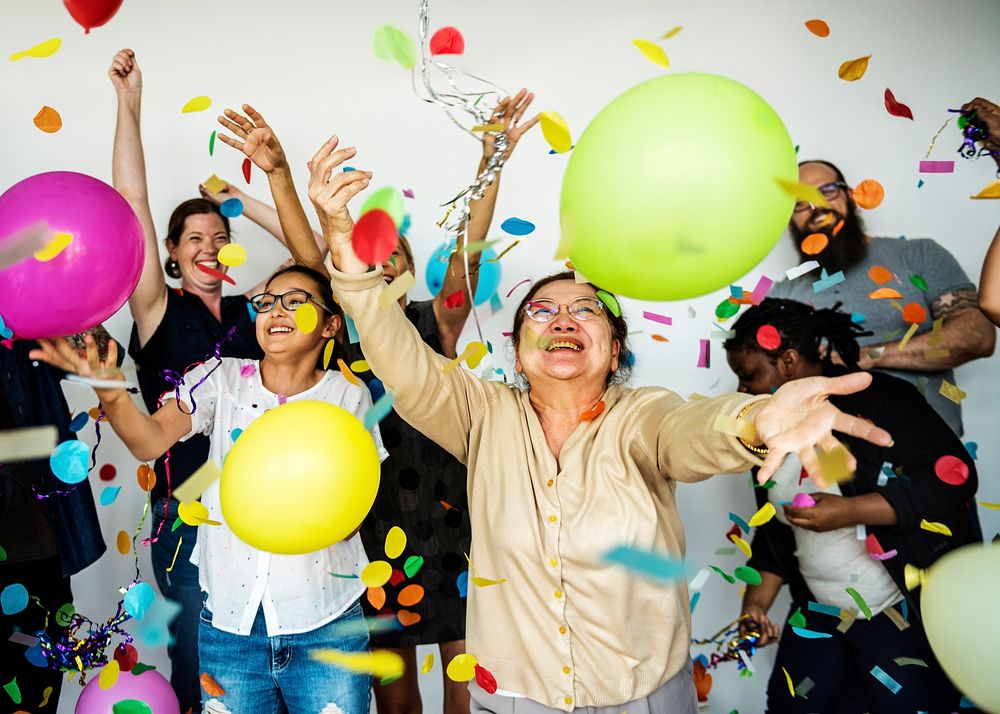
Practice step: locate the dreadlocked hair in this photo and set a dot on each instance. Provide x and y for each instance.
(803, 328)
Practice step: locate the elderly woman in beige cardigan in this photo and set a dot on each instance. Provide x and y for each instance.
(563, 471)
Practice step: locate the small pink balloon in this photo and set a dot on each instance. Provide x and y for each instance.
(803, 500)
(149, 687)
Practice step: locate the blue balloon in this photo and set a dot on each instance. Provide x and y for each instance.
(489, 271)
(69, 461)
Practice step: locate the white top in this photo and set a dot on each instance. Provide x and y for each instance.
(297, 592)
(833, 561)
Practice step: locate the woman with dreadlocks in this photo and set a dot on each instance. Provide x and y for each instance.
(843, 549)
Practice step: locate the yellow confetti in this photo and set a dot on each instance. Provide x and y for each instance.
(951, 392)
(762, 516)
(48, 120)
(328, 353)
(376, 574)
(42, 49)
(488, 127)
(993, 506)
(936, 335)
(59, 243)
(556, 132)
(214, 184)
(194, 513)
(462, 668)
(306, 317)
(853, 70)
(913, 576)
(396, 289)
(788, 678)
(233, 254)
(803, 192)
(359, 365)
(45, 697)
(906, 338)
(379, 663)
(474, 353)
(736, 427)
(195, 484)
(833, 465)
(395, 542)
(670, 33)
(428, 663)
(935, 527)
(486, 582)
(198, 104)
(741, 544)
(109, 674)
(653, 52)
(991, 191)
(173, 561)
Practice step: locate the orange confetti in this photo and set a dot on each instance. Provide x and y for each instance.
(914, 313)
(376, 596)
(815, 243)
(146, 477)
(210, 686)
(879, 275)
(592, 414)
(407, 618)
(346, 371)
(660, 338)
(838, 228)
(448, 506)
(410, 595)
(48, 120)
(818, 28)
(94, 413)
(853, 70)
(123, 543)
(869, 194)
(884, 293)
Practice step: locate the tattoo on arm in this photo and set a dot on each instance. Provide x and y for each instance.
(954, 302)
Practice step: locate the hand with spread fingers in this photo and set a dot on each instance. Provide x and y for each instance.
(60, 354)
(254, 138)
(330, 190)
(509, 112)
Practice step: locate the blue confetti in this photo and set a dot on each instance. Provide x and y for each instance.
(5, 332)
(352, 330)
(13, 599)
(824, 609)
(905, 608)
(694, 600)
(235, 434)
(349, 168)
(744, 526)
(69, 461)
(253, 313)
(231, 208)
(378, 411)
(152, 630)
(496, 304)
(646, 563)
(857, 317)
(920, 183)
(79, 421)
(36, 656)
(891, 684)
(810, 634)
(376, 388)
(404, 227)
(553, 151)
(517, 227)
(736, 291)
(109, 494)
(966, 703)
(972, 447)
(138, 599)
(463, 583)
(828, 281)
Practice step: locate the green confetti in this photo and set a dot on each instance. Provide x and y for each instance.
(13, 691)
(725, 576)
(131, 706)
(726, 309)
(747, 574)
(903, 661)
(797, 619)
(413, 565)
(140, 667)
(611, 302)
(211, 144)
(918, 282)
(390, 679)
(3, 554)
(347, 576)
(862, 605)
(177, 524)
(393, 45)
(64, 614)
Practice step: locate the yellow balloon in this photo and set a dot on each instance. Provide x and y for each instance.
(300, 478)
(958, 604)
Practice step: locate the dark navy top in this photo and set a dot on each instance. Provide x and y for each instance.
(188, 335)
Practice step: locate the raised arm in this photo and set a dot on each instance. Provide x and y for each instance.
(451, 321)
(128, 175)
(263, 214)
(146, 437)
(989, 282)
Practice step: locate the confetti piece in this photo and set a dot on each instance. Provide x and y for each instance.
(788, 679)
(743, 525)
(891, 684)
(488, 127)
(131, 706)
(413, 565)
(671, 32)
(447, 41)
(723, 574)
(818, 28)
(39, 51)
(906, 338)
(376, 596)
(799, 270)
(644, 562)
(109, 675)
(593, 412)
(486, 681)
(556, 132)
(122, 542)
(803, 500)
(904, 661)
(937, 167)
(26, 444)
(217, 274)
(48, 120)
(828, 281)
(914, 312)
(109, 494)
(896, 109)
(761, 289)
(991, 191)
(517, 227)
(138, 599)
(211, 144)
(395, 542)
(893, 614)
(810, 634)
(307, 318)
(391, 44)
(742, 545)
(768, 337)
(862, 605)
(195, 484)
(210, 686)
(246, 170)
(814, 244)
(462, 668)
(376, 574)
(378, 411)
(611, 302)
(69, 461)
(748, 575)
(726, 309)
(803, 192)
(455, 300)
(653, 52)
(410, 595)
(180, 541)
(396, 289)
(13, 599)
(704, 354)
(885, 294)
(868, 194)
(231, 208)
(378, 663)
(213, 184)
(762, 516)
(375, 237)
(735, 427)
(950, 392)
(880, 275)
(197, 104)
(233, 254)
(935, 527)
(824, 609)
(428, 663)
(991, 506)
(45, 697)
(853, 70)
(655, 317)
(833, 465)
(194, 513)
(797, 619)
(58, 243)
(486, 582)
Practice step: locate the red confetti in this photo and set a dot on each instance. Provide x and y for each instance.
(485, 680)
(734, 531)
(914, 313)
(592, 414)
(397, 577)
(447, 41)
(375, 237)
(246, 170)
(768, 337)
(897, 109)
(526, 280)
(217, 274)
(873, 546)
(127, 657)
(107, 472)
(456, 299)
(952, 470)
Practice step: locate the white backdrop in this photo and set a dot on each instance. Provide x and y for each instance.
(309, 67)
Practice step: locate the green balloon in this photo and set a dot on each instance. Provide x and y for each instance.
(672, 192)
(388, 199)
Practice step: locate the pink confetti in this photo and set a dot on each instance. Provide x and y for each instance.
(883, 556)
(506, 334)
(662, 319)
(408, 192)
(937, 167)
(760, 292)
(704, 354)
(248, 370)
(282, 399)
(526, 280)
(803, 500)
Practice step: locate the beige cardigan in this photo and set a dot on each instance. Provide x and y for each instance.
(566, 629)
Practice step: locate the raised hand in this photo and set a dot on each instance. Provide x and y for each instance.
(508, 112)
(987, 114)
(124, 73)
(254, 138)
(60, 354)
(799, 418)
(230, 191)
(330, 190)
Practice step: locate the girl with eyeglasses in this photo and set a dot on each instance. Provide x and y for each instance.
(263, 612)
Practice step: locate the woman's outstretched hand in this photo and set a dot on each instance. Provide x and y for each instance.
(124, 73)
(330, 191)
(254, 138)
(799, 418)
(508, 112)
(60, 354)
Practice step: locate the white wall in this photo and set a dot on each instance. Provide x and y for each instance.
(309, 67)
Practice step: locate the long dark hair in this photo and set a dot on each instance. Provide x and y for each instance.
(802, 328)
(619, 327)
(324, 293)
(175, 227)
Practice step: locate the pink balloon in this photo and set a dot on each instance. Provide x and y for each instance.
(803, 500)
(149, 687)
(92, 277)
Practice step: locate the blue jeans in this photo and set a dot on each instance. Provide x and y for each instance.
(181, 586)
(271, 675)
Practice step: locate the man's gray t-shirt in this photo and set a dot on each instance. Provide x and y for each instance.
(910, 261)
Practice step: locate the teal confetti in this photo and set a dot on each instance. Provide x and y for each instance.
(69, 461)
(138, 599)
(891, 684)
(810, 634)
(231, 208)
(379, 410)
(345, 576)
(13, 599)
(744, 526)
(109, 494)
(646, 563)
(862, 605)
(235, 434)
(920, 183)
(972, 447)
(824, 609)
(352, 330)
(517, 227)
(694, 600)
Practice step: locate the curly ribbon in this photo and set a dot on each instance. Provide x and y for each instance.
(733, 645)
